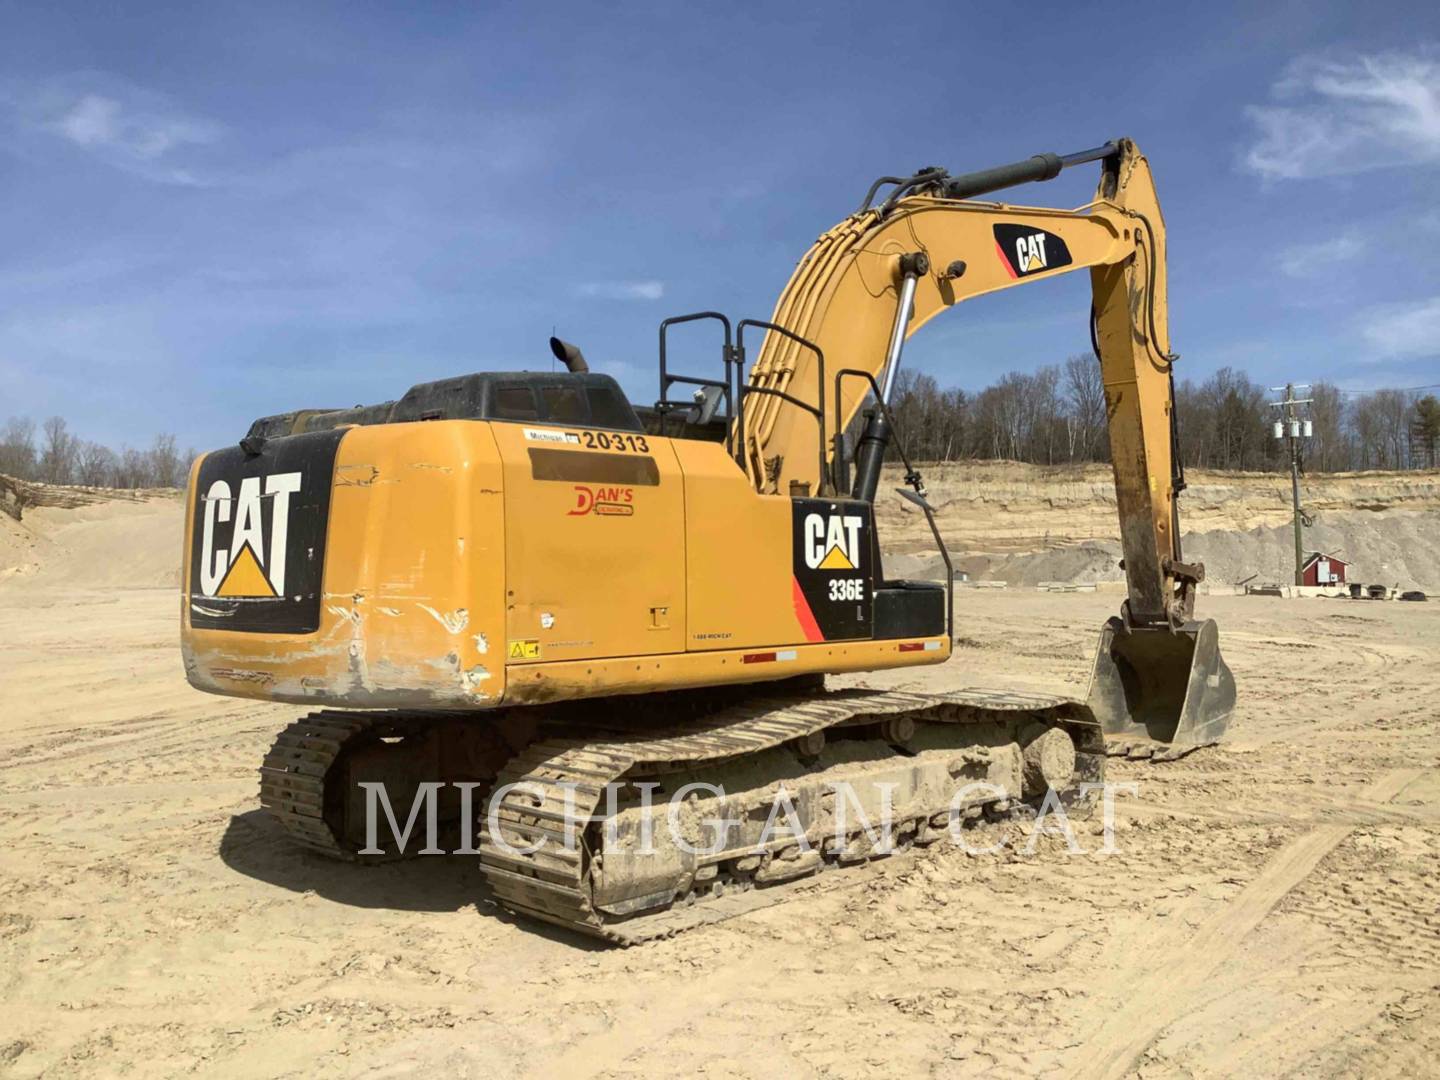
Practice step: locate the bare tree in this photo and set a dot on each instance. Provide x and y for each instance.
(1393, 410)
(132, 469)
(1368, 429)
(1085, 402)
(17, 448)
(57, 455)
(165, 462)
(1329, 448)
(95, 465)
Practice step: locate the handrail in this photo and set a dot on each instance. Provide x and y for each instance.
(817, 411)
(734, 405)
(911, 477)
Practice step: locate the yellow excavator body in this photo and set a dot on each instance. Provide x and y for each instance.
(517, 582)
(473, 565)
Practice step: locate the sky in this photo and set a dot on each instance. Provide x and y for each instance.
(216, 212)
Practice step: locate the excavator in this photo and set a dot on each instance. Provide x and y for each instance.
(571, 620)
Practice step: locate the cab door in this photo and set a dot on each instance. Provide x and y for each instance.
(594, 543)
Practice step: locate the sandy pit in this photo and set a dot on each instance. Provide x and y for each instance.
(1025, 524)
(1272, 908)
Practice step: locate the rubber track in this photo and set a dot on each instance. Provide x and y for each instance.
(551, 885)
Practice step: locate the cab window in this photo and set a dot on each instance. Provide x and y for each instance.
(515, 403)
(564, 405)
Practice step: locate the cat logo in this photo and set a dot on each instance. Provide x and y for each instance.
(1025, 250)
(832, 541)
(1030, 252)
(247, 566)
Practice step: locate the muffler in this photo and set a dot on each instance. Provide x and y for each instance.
(1170, 686)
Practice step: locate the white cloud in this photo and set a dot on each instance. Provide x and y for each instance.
(623, 290)
(1310, 260)
(1335, 116)
(1409, 329)
(93, 120)
(123, 125)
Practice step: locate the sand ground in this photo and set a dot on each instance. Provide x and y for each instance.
(1273, 908)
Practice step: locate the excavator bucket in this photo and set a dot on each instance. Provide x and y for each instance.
(1166, 686)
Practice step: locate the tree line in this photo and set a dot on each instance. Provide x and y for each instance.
(1057, 415)
(1054, 416)
(53, 454)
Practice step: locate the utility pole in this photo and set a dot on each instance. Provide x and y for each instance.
(1291, 428)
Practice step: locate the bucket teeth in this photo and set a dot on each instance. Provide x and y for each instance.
(1170, 686)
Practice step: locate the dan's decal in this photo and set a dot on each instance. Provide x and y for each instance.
(603, 501)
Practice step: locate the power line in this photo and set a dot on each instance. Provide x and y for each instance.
(1400, 389)
(1293, 429)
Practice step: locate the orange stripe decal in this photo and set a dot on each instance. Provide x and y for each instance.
(803, 614)
(1008, 268)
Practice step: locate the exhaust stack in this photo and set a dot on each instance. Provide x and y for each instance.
(569, 355)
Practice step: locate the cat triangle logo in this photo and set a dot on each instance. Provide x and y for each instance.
(832, 541)
(245, 578)
(237, 557)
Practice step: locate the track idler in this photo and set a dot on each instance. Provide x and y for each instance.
(1167, 686)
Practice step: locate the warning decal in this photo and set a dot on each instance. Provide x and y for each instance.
(528, 649)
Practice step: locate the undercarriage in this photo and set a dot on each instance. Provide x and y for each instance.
(622, 821)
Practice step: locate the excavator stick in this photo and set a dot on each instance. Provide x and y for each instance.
(1159, 685)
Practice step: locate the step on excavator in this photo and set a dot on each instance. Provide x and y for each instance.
(556, 613)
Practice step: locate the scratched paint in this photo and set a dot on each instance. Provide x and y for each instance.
(357, 476)
(453, 621)
(472, 679)
(348, 614)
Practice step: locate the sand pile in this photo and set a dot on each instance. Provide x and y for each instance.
(1026, 524)
(1003, 521)
(93, 538)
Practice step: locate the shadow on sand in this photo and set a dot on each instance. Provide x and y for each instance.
(254, 845)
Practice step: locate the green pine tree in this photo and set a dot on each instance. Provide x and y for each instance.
(1427, 421)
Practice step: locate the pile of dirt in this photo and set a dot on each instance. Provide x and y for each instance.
(1389, 548)
(1003, 521)
(1025, 524)
(91, 537)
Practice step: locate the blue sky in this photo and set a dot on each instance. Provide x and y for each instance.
(215, 213)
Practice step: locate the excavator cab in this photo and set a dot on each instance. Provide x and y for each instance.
(1157, 685)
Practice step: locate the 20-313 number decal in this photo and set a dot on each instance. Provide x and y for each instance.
(602, 440)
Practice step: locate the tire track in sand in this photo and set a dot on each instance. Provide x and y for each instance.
(1163, 994)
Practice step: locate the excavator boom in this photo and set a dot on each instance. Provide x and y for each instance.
(884, 272)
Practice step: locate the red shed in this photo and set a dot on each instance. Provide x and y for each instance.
(1322, 569)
